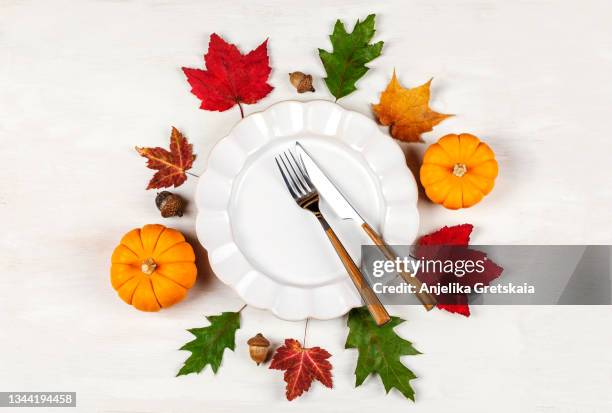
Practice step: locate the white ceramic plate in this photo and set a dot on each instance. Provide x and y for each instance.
(276, 255)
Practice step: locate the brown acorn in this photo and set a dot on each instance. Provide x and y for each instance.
(169, 204)
(258, 348)
(301, 81)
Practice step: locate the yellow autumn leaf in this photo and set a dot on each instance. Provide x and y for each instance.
(407, 111)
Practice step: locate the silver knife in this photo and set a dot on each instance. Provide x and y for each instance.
(343, 208)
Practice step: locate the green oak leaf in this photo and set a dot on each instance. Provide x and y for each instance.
(345, 65)
(211, 342)
(380, 350)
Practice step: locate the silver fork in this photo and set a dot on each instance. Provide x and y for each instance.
(306, 196)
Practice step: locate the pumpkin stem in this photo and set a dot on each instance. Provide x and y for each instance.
(148, 266)
(459, 169)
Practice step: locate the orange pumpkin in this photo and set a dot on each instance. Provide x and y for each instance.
(153, 267)
(458, 171)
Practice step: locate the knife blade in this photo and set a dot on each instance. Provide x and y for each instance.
(328, 190)
(343, 208)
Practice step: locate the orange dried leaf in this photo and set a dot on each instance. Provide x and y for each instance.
(407, 111)
(171, 165)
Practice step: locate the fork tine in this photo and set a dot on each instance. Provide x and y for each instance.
(304, 172)
(293, 194)
(292, 176)
(297, 173)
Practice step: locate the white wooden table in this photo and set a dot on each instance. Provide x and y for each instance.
(82, 83)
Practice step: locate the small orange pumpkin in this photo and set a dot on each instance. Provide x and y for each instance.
(458, 171)
(153, 267)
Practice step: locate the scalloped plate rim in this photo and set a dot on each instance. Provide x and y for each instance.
(202, 234)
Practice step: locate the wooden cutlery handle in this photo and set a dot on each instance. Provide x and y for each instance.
(374, 305)
(428, 300)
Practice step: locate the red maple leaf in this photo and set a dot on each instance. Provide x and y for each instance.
(456, 235)
(230, 77)
(450, 243)
(302, 366)
(171, 166)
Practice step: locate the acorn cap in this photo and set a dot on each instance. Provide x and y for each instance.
(169, 204)
(258, 341)
(160, 198)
